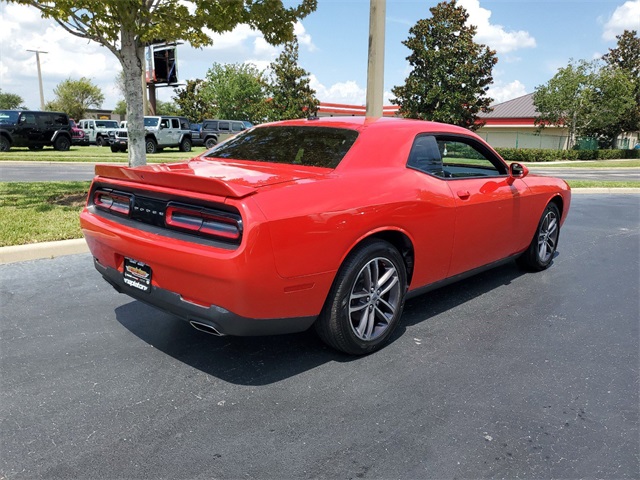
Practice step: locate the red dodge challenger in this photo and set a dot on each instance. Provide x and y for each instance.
(329, 222)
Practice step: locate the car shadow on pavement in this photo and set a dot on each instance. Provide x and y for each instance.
(270, 359)
(239, 360)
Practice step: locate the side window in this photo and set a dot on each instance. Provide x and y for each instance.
(449, 156)
(164, 123)
(28, 119)
(425, 156)
(44, 120)
(237, 126)
(210, 125)
(463, 157)
(175, 123)
(61, 120)
(224, 126)
(184, 124)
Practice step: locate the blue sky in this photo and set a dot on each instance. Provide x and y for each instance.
(533, 39)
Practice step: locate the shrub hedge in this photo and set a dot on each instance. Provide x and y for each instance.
(540, 155)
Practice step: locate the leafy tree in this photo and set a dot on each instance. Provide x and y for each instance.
(11, 101)
(291, 95)
(125, 26)
(626, 57)
(585, 98)
(450, 72)
(75, 97)
(236, 92)
(121, 108)
(191, 102)
(167, 108)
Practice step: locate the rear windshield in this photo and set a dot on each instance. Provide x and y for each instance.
(312, 146)
(8, 117)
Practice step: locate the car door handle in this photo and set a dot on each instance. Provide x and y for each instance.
(463, 194)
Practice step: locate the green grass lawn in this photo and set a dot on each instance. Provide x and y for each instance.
(32, 212)
(93, 154)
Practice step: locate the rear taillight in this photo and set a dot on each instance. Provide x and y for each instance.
(205, 222)
(114, 202)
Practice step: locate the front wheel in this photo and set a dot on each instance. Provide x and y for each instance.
(150, 145)
(543, 247)
(210, 142)
(100, 141)
(366, 300)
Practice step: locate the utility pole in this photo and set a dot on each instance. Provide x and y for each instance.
(38, 52)
(375, 70)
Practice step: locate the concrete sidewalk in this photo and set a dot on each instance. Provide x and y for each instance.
(35, 251)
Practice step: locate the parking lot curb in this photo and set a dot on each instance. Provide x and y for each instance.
(35, 251)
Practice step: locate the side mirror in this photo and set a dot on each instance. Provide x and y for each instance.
(517, 170)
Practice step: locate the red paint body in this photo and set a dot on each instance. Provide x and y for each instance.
(301, 222)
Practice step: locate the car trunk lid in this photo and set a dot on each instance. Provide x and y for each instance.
(235, 179)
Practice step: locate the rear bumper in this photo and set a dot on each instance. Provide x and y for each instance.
(221, 320)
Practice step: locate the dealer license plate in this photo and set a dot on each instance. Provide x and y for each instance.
(137, 274)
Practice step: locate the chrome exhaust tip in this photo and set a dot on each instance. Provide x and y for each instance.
(203, 327)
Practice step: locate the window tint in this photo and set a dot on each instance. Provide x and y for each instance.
(44, 119)
(151, 122)
(175, 123)
(237, 126)
(164, 123)
(8, 117)
(60, 120)
(210, 125)
(224, 126)
(312, 146)
(106, 124)
(453, 157)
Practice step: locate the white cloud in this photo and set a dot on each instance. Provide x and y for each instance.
(501, 92)
(625, 17)
(304, 39)
(495, 36)
(348, 92)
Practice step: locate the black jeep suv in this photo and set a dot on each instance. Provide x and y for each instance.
(26, 128)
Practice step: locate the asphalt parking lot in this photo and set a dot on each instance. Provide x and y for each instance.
(505, 374)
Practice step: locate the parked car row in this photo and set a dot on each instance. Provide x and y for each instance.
(35, 130)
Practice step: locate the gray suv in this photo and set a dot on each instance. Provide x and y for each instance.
(214, 131)
(27, 128)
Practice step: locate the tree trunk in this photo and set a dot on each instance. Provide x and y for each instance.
(132, 56)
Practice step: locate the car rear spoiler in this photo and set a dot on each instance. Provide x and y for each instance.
(178, 176)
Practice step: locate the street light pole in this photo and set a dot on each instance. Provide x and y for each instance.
(38, 52)
(375, 70)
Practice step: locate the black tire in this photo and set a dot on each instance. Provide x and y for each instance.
(150, 145)
(115, 149)
(365, 301)
(62, 143)
(543, 246)
(5, 145)
(185, 145)
(100, 141)
(210, 142)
